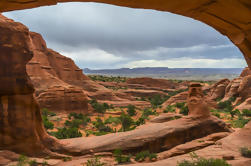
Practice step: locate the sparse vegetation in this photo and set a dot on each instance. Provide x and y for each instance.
(246, 112)
(141, 156)
(64, 133)
(200, 161)
(146, 113)
(183, 108)
(100, 108)
(169, 108)
(120, 157)
(157, 100)
(46, 122)
(245, 152)
(94, 162)
(126, 122)
(131, 110)
(107, 78)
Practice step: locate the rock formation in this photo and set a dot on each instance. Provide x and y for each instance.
(21, 126)
(217, 91)
(196, 102)
(50, 73)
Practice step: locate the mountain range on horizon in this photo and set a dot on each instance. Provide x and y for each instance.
(164, 70)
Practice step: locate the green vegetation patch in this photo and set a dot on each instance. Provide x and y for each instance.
(120, 157)
(245, 152)
(200, 161)
(142, 156)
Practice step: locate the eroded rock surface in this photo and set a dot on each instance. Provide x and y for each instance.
(21, 126)
(196, 102)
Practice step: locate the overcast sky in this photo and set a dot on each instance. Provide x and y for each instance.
(104, 36)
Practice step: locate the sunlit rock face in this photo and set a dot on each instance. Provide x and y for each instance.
(196, 102)
(231, 18)
(21, 128)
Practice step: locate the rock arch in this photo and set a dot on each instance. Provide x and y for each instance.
(231, 18)
(19, 112)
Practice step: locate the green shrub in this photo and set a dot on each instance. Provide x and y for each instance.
(126, 122)
(100, 108)
(157, 100)
(199, 161)
(114, 120)
(22, 160)
(120, 158)
(94, 162)
(216, 114)
(169, 108)
(180, 105)
(33, 163)
(99, 124)
(246, 112)
(46, 112)
(240, 122)
(131, 110)
(64, 133)
(74, 123)
(184, 110)
(226, 105)
(146, 113)
(141, 156)
(245, 152)
(47, 123)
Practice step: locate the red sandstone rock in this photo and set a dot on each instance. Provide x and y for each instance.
(217, 90)
(196, 102)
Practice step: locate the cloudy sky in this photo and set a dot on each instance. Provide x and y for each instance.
(104, 36)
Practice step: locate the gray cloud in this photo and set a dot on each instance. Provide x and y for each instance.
(126, 34)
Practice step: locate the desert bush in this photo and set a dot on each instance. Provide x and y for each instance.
(200, 161)
(240, 122)
(245, 152)
(120, 157)
(75, 123)
(180, 105)
(33, 163)
(22, 160)
(100, 108)
(46, 112)
(47, 123)
(157, 100)
(64, 133)
(169, 108)
(126, 122)
(146, 113)
(114, 120)
(184, 110)
(99, 124)
(141, 156)
(94, 162)
(226, 105)
(246, 112)
(131, 110)
(216, 114)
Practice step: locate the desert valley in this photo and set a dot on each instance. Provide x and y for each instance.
(52, 113)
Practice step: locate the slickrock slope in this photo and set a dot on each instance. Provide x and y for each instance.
(154, 137)
(228, 146)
